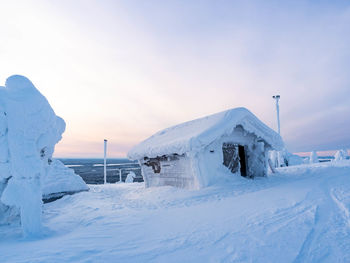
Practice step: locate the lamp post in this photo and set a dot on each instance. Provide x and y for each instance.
(277, 97)
(105, 162)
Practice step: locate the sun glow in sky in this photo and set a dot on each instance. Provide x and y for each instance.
(122, 70)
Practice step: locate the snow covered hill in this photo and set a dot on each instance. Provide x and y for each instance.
(300, 215)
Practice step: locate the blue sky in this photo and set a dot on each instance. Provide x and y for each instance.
(123, 70)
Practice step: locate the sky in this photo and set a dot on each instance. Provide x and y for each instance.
(123, 70)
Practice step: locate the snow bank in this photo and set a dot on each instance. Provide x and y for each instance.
(29, 131)
(60, 180)
(193, 135)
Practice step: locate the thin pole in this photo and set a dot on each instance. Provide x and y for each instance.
(105, 162)
(120, 175)
(277, 97)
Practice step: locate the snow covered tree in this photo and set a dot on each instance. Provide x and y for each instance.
(313, 157)
(340, 155)
(130, 177)
(33, 129)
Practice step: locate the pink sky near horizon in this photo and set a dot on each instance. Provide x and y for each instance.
(320, 153)
(123, 70)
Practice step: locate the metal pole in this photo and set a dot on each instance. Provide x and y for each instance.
(277, 97)
(105, 162)
(120, 175)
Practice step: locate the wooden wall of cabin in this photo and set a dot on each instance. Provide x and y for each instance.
(173, 170)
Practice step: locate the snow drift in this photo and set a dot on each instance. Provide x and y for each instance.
(300, 214)
(60, 180)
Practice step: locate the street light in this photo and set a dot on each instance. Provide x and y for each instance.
(277, 97)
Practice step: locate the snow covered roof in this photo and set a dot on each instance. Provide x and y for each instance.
(193, 135)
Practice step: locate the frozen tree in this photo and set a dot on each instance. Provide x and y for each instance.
(340, 155)
(33, 129)
(313, 157)
(283, 158)
(273, 158)
(130, 177)
(4, 165)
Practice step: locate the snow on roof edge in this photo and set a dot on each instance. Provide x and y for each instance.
(192, 135)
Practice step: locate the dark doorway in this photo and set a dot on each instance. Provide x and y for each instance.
(242, 161)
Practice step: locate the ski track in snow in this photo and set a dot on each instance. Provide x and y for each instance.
(331, 224)
(299, 215)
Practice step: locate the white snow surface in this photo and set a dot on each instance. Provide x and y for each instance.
(60, 179)
(193, 135)
(301, 214)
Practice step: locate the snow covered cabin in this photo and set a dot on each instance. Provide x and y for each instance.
(189, 155)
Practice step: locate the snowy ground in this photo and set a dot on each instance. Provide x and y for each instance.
(300, 215)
